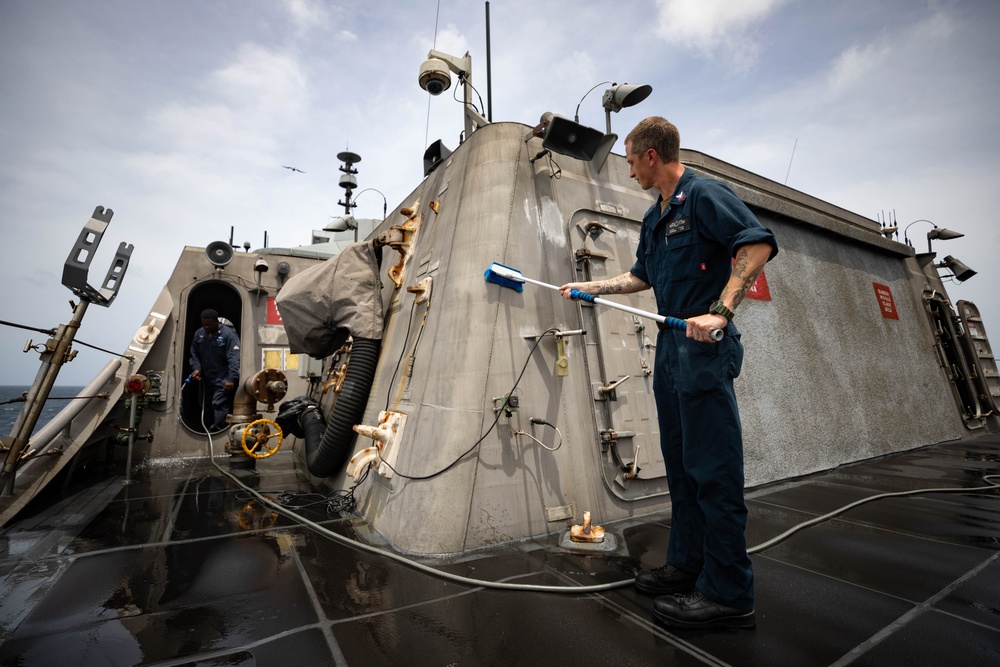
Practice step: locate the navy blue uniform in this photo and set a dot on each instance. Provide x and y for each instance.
(685, 254)
(218, 358)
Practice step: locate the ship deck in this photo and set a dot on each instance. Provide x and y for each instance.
(183, 567)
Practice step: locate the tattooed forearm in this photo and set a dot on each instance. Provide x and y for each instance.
(746, 269)
(745, 285)
(616, 285)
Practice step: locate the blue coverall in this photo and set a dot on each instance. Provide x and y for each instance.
(217, 357)
(685, 254)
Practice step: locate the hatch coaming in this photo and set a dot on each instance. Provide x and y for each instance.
(247, 295)
(620, 357)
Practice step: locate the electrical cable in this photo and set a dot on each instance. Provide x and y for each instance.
(463, 80)
(550, 330)
(542, 422)
(406, 337)
(826, 517)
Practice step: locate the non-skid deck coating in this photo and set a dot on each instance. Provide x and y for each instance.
(183, 568)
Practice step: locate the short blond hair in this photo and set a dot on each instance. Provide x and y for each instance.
(659, 134)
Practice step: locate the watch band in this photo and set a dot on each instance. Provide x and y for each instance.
(720, 308)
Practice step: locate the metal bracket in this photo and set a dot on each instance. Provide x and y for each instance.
(610, 437)
(587, 253)
(77, 265)
(562, 362)
(594, 228)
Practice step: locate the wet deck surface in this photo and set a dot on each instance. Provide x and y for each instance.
(184, 568)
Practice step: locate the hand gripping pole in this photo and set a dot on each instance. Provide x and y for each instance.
(512, 278)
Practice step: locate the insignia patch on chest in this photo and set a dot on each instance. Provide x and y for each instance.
(679, 225)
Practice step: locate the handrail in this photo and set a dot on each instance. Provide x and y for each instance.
(45, 435)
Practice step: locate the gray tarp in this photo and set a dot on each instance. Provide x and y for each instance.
(324, 304)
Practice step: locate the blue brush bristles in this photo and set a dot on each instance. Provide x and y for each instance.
(494, 277)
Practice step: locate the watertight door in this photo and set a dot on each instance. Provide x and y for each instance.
(620, 354)
(981, 354)
(957, 360)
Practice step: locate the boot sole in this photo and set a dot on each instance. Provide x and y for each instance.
(745, 621)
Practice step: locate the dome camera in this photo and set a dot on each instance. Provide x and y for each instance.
(435, 77)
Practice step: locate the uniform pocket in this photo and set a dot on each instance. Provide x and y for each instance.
(703, 366)
(681, 256)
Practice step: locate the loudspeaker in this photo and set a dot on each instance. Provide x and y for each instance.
(434, 155)
(219, 253)
(565, 137)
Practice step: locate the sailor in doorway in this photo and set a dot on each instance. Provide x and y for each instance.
(215, 361)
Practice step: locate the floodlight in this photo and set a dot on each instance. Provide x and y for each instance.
(936, 233)
(618, 97)
(958, 269)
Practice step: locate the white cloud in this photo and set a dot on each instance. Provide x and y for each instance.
(856, 64)
(261, 77)
(450, 40)
(247, 107)
(715, 27)
(307, 14)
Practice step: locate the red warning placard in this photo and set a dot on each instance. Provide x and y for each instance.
(273, 316)
(885, 302)
(760, 290)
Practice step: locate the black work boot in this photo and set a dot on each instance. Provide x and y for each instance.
(696, 612)
(666, 580)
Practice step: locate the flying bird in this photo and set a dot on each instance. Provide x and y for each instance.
(293, 169)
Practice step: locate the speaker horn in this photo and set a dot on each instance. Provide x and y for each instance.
(219, 253)
(434, 155)
(566, 137)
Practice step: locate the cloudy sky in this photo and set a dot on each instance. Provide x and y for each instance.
(179, 116)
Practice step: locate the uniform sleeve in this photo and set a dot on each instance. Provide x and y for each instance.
(233, 357)
(728, 220)
(195, 360)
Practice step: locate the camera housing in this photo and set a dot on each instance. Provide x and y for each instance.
(435, 77)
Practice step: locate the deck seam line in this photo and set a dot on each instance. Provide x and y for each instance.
(911, 615)
(338, 656)
(663, 634)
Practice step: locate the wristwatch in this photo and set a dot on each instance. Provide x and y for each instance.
(719, 308)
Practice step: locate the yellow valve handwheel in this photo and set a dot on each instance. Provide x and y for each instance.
(260, 433)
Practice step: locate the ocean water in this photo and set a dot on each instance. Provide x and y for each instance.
(9, 411)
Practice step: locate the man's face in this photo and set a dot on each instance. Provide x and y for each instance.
(211, 325)
(639, 167)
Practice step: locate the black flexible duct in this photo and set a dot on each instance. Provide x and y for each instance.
(328, 445)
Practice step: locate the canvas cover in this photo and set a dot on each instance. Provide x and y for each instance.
(323, 305)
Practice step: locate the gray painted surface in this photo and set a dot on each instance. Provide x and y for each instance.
(823, 366)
